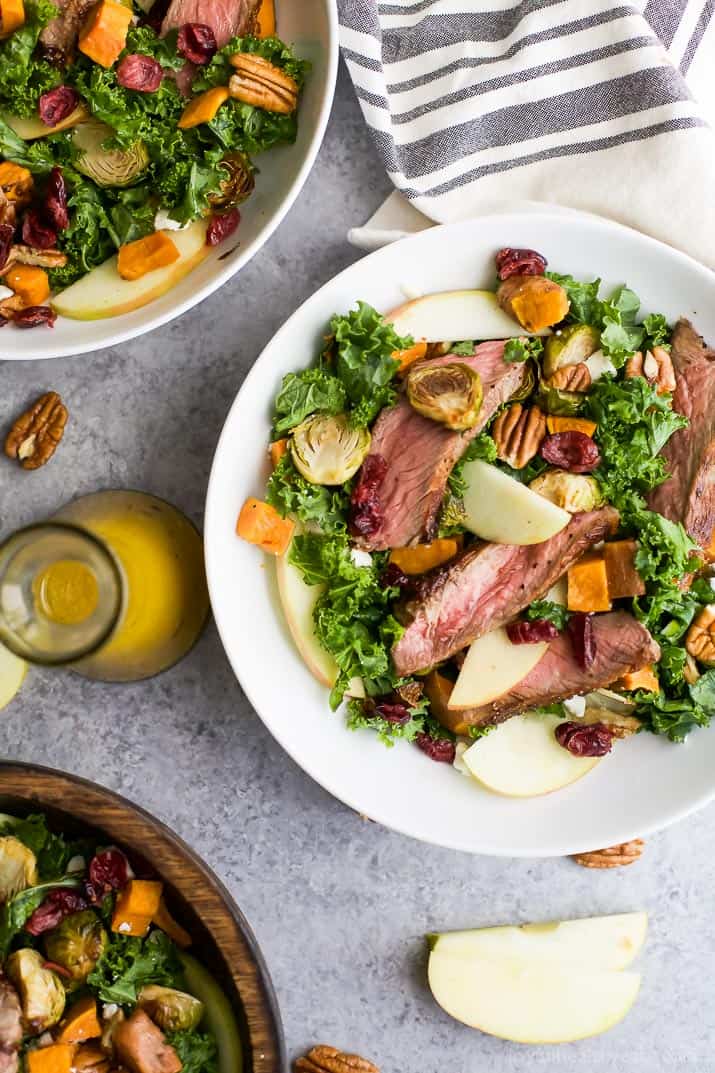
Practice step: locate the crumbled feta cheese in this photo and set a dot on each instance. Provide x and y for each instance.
(458, 762)
(124, 927)
(576, 707)
(109, 1009)
(164, 222)
(5, 292)
(360, 557)
(76, 864)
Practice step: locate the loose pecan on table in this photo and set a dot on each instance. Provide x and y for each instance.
(518, 433)
(323, 1059)
(576, 377)
(262, 84)
(36, 434)
(657, 368)
(612, 857)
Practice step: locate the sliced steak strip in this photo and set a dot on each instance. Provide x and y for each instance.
(227, 18)
(420, 453)
(688, 496)
(486, 587)
(58, 39)
(622, 645)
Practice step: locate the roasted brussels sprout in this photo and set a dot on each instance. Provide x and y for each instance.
(238, 182)
(41, 991)
(569, 346)
(528, 385)
(77, 944)
(18, 867)
(450, 393)
(553, 400)
(174, 1011)
(573, 492)
(326, 449)
(108, 167)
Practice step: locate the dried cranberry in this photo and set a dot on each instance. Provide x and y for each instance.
(36, 233)
(512, 262)
(221, 226)
(594, 739)
(393, 710)
(155, 16)
(440, 749)
(108, 871)
(57, 104)
(366, 514)
(574, 451)
(583, 639)
(34, 316)
(394, 578)
(530, 633)
(57, 905)
(196, 42)
(141, 73)
(56, 200)
(7, 234)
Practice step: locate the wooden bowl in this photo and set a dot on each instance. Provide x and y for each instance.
(223, 939)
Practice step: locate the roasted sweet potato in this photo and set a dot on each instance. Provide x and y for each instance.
(146, 254)
(12, 16)
(164, 920)
(266, 19)
(136, 905)
(29, 283)
(424, 557)
(277, 449)
(57, 1058)
(439, 689)
(410, 355)
(16, 182)
(588, 585)
(261, 524)
(535, 301)
(81, 1022)
(570, 424)
(645, 678)
(104, 33)
(623, 578)
(203, 108)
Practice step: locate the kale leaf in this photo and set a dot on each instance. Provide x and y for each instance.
(364, 345)
(546, 609)
(130, 963)
(308, 392)
(314, 504)
(196, 1050)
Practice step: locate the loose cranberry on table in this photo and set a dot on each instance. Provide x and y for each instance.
(440, 749)
(36, 232)
(365, 509)
(573, 451)
(57, 104)
(513, 262)
(594, 739)
(221, 226)
(583, 638)
(140, 73)
(530, 633)
(55, 204)
(196, 42)
(57, 905)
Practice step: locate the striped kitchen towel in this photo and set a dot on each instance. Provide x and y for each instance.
(594, 105)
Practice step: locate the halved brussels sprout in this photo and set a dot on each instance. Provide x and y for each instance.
(326, 449)
(77, 944)
(18, 867)
(527, 387)
(238, 184)
(450, 393)
(573, 492)
(569, 346)
(107, 167)
(41, 991)
(552, 400)
(174, 1011)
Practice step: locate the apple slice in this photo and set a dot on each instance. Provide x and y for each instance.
(455, 315)
(522, 758)
(501, 509)
(103, 293)
(12, 674)
(31, 127)
(493, 666)
(611, 942)
(527, 1002)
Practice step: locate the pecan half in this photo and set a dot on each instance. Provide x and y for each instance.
(27, 255)
(262, 84)
(656, 367)
(612, 857)
(575, 377)
(700, 638)
(324, 1059)
(36, 434)
(518, 434)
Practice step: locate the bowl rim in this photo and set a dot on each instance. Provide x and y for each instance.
(232, 265)
(261, 1011)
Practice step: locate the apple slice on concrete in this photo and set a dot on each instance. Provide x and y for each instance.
(103, 293)
(492, 667)
(611, 942)
(501, 509)
(522, 758)
(456, 316)
(531, 1002)
(12, 674)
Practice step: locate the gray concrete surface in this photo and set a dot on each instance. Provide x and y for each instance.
(339, 905)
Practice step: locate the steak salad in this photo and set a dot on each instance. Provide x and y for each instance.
(514, 526)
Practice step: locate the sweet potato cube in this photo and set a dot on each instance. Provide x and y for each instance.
(203, 108)
(104, 33)
(145, 255)
(164, 920)
(266, 19)
(136, 905)
(570, 424)
(623, 578)
(277, 449)
(12, 15)
(439, 689)
(645, 678)
(57, 1058)
(29, 283)
(259, 523)
(81, 1022)
(588, 585)
(409, 355)
(424, 557)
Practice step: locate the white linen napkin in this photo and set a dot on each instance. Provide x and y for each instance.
(479, 106)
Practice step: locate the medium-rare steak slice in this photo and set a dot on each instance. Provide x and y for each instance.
(688, 496)
(420, 453)
(622, 645)
(227, 18)
(486, 587)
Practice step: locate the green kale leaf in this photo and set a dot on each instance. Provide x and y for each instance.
(546, 609)
(16, 911)
(196, 1050)
(521, 349)
(364, 345)
(313, 504)
(130, 963)
(302, 394)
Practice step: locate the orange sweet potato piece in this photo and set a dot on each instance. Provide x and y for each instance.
(277, 449)
(410, 355)
(164, 920)
(203, 108)
(588, 585)
(570, 424)
(16, 182)
(645, 678)
(266, 19)
(424, 557)
(104, 33)
(57, 1058)
(146, 254)
(29, 283)
(81, 1022)
(439, 689)
(535, 301)
(136, 904)
(623, 578)
(142, 1047)
(12, 14)
(261, 524)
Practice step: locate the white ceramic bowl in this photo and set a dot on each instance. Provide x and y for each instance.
(311, 26)
(647, 782)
